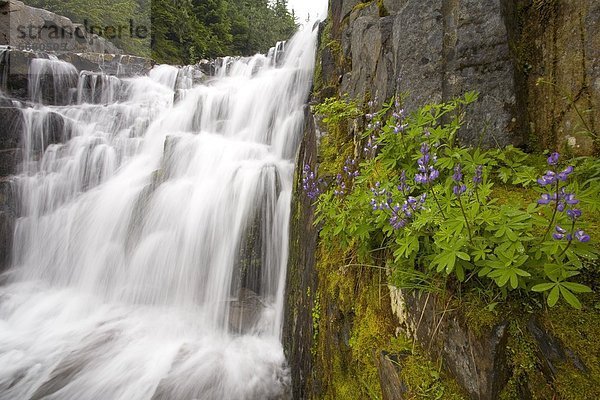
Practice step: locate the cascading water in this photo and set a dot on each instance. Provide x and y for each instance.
(150, 255)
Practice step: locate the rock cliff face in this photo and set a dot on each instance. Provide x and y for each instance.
(16, 19)
(558, 42)
(433, 50)
(535, 64)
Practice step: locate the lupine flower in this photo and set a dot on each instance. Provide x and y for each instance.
(397, 222)
(400, 114)
(427, 173)
(582, 236)
(553, 159)
(564, 175)
(350, 172)
(400, 128)
(458, 175)
(478, 178)
(403, 187)
(548, 179)
(563, 234)
(310, 184)
(460, 188)
(574, 214)
(547, 198)
(382, 199)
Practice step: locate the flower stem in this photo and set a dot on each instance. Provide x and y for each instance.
(437, 201)
(570, 241)
(462, 209)
(554, 213)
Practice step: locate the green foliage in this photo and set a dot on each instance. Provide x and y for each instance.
(185, 31)
(453, 229)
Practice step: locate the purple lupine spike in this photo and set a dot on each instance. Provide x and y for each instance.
(478, 178)
(457, 177)
(553, 159)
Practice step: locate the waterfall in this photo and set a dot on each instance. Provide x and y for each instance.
(150, 251)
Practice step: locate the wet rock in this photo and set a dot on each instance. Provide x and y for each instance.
(301, 284)
(74, 363)
(245, 312)
(477, 362)
(11, 127)
(389, 367)
(7, 223)
(559, 42)
(550, 351)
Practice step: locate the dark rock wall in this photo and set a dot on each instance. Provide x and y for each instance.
(11, 125)
(301, 282)
(558, 41)
(434, 50)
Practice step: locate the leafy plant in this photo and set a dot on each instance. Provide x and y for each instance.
(431, 206)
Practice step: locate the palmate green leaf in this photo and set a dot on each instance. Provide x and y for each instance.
(543, 287)
(504, 174)
(553, 296)
(445, 262)
(570, 298)
(407, 246)
(576, 287)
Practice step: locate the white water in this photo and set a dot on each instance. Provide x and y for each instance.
(150, 256)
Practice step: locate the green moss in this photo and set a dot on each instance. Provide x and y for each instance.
(579, 330)
(362, 6)
(426, 381)
(480, 313)
(383, 12)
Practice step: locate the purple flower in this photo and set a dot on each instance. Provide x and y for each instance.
(547, 198)
(396, 222)
(548, 179)
(569, 198)
(427, 173)
(478, 178)
(574, 214)
(310, 184)
(457, 173)
(459, 189)
(553, 159)
(582, 236)
(371, 146)
(564, 175)
(400, 128)
(559, 233)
